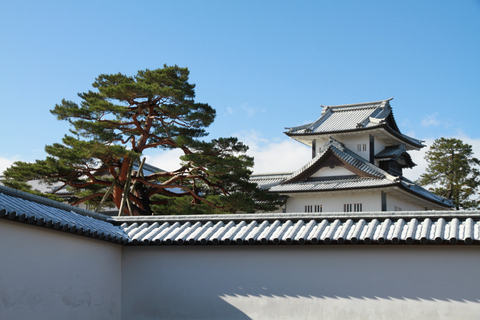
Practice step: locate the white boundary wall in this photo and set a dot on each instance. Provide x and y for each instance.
(301, 282)
(47, 274)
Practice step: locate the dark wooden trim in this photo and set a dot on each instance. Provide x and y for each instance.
(384, 201)
(314, 148)
(372, 149)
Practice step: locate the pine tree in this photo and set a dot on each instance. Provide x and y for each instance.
(452, 172)
(118, 121)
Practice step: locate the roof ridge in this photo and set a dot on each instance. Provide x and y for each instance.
(358, 104)
(302, 215)
(269, 174)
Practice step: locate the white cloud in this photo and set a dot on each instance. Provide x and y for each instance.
(418, 157)
(166, 160)
(284, 156)
(6, 162)
(275, 156)
(270, 156)
(248, 110)
(433, 121)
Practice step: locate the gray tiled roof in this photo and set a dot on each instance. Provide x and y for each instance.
(347, 117)
(148, 168)
(280, 182)
(58, 187)
(351, 118)
(439, 227)
(45, 187)
(415, 188)
(269, 180)
(395, 152)
(391, 151)
(330, 184)
(436, 227)
(284, 183)
(24, 207)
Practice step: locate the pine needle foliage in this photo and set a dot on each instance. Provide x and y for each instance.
(453, 172)
(117, 122)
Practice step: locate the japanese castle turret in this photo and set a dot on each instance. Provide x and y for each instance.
(358, 161)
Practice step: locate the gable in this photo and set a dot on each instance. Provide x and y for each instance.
(334, 158)
(331, 172)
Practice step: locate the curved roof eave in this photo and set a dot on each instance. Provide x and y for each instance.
(444, 204)
(405, 139)
(393, 184)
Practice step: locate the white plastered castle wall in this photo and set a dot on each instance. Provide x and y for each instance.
(394, 203)
(331, 172)
(379, 145)
(47, 274)
(352, 142)
(333, 201)
(301, 282)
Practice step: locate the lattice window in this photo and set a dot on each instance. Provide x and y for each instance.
(313, 208)
(362, 147)
(352, 207)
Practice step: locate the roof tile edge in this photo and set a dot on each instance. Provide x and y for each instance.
(301, 216)
(53, 203)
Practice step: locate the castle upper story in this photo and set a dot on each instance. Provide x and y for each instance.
(369, 129)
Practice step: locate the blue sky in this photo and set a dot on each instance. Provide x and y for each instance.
(263, 65)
